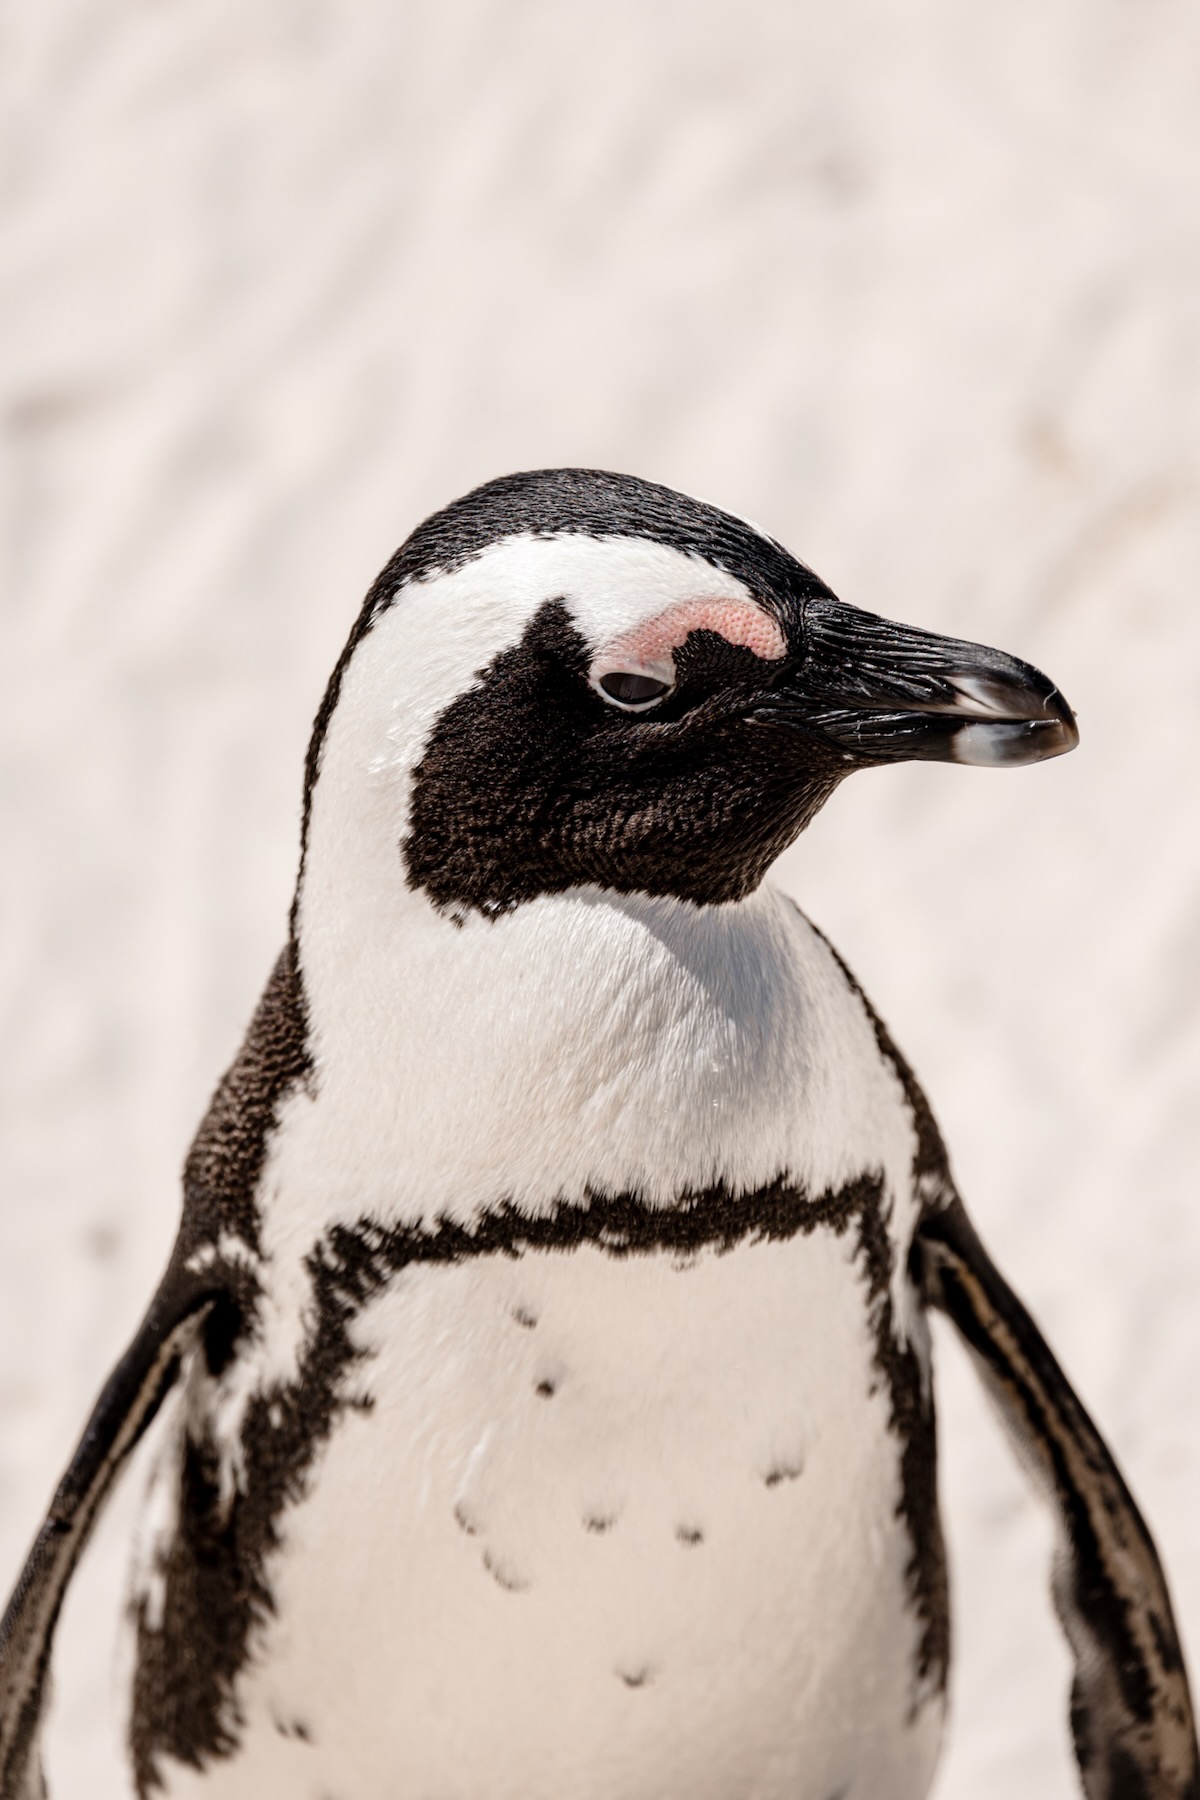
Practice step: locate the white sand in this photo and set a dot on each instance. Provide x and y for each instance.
(916, 287)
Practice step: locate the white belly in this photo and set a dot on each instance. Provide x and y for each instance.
(611, 1528)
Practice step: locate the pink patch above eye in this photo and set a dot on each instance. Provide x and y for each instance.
(651, 646)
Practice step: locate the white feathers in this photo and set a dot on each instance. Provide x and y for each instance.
(228, 1249)
(587, 1041)
(644, 1545)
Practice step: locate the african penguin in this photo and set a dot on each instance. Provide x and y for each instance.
(541, 1379)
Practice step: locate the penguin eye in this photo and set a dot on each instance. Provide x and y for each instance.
(630, 689)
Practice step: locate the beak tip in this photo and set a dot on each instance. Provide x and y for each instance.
(1007, 743)
(1012, 718)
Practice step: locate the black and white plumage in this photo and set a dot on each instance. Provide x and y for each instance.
(542, 1372)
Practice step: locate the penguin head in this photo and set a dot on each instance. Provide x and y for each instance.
(573, 678)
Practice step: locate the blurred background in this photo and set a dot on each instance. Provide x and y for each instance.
(917, 288)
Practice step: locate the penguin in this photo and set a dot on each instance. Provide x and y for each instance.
(539, 1389)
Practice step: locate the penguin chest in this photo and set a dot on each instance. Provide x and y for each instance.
(597, 1525)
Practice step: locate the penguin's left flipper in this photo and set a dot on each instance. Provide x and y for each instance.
(128, 1402)
(1131, 1712)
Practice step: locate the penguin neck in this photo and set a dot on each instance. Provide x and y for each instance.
(578, 976)
(585, 1041)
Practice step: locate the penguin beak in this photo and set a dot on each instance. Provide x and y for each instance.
(879, 692)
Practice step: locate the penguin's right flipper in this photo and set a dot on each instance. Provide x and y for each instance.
(130, 1398)
(1131, 1712)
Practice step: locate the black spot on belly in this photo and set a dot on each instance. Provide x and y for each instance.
(690, 1535)
(783, 1471)
(503, 1574)
(637, 1677)
(295, 1729)
(599, 1522)
(546, 1388)
(465, 1519)
(524, 1317)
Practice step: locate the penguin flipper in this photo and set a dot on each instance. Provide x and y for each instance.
(1131, 1711)
(127, 1404)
